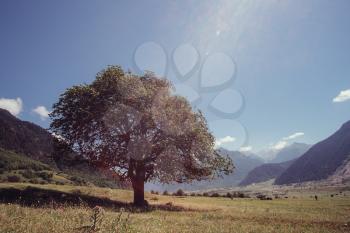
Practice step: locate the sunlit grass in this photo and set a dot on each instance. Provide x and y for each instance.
(302, 214)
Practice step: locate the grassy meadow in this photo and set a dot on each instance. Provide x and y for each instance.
(192, 214)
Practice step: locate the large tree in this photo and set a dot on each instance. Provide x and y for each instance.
(134, 126)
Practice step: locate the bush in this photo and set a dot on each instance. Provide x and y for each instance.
(263, 197)
(165, 193)
(193, 194)
(229, 195)
(77, 180)
(13, 178)
(45, 175)
(29, 174)
(215, 195)
(43, 182)
(239, 195)
(205, 194)
(154, 192)
(34, 181)
(179, 193)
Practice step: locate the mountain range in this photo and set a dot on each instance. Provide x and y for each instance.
(321, 160)
(283, 159)
(265, 172)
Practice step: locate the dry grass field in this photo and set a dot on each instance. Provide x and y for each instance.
(173, 214)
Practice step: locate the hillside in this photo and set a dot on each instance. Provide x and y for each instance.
(25, 139)
(265, 172)
(20, 168)
(321, 160)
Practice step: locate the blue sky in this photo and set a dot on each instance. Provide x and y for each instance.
(285, 62)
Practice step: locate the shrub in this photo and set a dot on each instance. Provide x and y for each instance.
(229, 195)
(43, 182)
(179, 192)
(193, 194)
(77, 180)
(165, 193)
(45, 175)
(215, 195)
(34, 181)
(154, 192)
(13, 178)
(29, 174)
(241, 195)
(263, 197)
(205, 194)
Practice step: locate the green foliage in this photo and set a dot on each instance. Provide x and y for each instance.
(45, 175)
(13, 161)
(165, 193)
(34, 181)
(78, 180)
(215, 195)
(29, 174)
(179, 192)
(135, 126)
(13, 178)
(32, 171)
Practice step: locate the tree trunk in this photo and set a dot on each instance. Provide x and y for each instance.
(139, 194)
(138, 185)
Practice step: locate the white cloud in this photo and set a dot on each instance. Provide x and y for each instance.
(284, 141)
(42, 112)
(14, 106)
(245, 149)
(343, 96)
(224, 140)
(293, 136)
(279, 145)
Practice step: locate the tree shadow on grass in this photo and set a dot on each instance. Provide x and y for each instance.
(37, 197)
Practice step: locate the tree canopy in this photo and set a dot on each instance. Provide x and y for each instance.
(136, 127)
